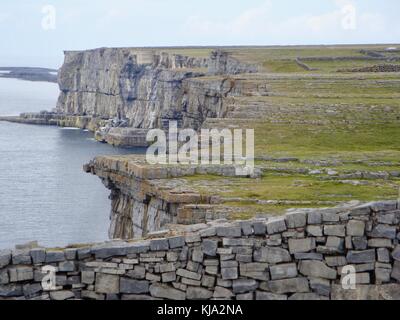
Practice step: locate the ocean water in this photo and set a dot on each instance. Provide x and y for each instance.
(44, 193)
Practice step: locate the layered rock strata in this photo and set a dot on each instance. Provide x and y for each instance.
(144, 198)
(143, 88)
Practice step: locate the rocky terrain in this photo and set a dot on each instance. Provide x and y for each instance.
(29, 73)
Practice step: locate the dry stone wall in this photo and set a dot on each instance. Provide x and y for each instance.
(297, 256)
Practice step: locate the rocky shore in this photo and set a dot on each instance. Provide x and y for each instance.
(29, 73)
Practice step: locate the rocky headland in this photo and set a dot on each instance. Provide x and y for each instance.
(29, 73)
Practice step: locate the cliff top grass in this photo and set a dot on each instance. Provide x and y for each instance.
(343, 129)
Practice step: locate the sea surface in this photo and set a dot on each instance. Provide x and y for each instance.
(44, 193)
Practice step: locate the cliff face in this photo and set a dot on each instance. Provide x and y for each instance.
(144, 198)
(146, 87)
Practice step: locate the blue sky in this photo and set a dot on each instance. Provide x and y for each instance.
(87, 24)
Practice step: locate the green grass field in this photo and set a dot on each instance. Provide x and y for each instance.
(350, 121)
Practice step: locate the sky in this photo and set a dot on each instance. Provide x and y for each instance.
(36, 32)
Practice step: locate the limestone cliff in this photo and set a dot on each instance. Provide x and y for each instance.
(145, 87)
(144, 198)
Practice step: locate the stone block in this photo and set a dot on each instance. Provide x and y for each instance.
(314, 231)
(360, 243)
(396, 253)
(38, 255)
(220, 292)
(244, 285)
(355, 228)
(317, 269)
(245, 296)
(320, 286)
(314, 217)
(365, 256)
(5, 258)
(21, 257)
(227, 242)
(229, 232)
(198, 293)
(192, 238)
(4, 279)
(168, 277)
(382, 275)
(261, 295)
(396, 271)
(308, 256)
(31, 289)
(335, 261)
(229, 273)
(301, 245)
(176, 242)
(87, 277)
(259, 228)
(384, 255)
(109, 250)
(66, 266)
(209, 232)
(276, 225)
(70, 253)
(308, 296)
(84, 253)
(272, 255)
(137, 247)
(383, 231)
(166, 292)
(208, 281)
(283, 271)
(337, 230)
(330, 216)
(61, 295)
(296, 219)
(190, 282)
(10, 290)
(54, 256)
(188, 274)
(159, 245)
(91, 295)
(152, 277)
(247, 228)
(209, 247)
(229, 264)
(213, 270)
(289, 285)
(20, 274)
(132, 286)
(380, 243)
(107, 283)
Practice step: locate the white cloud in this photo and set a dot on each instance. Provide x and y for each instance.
(344, 24)
(253, 18)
